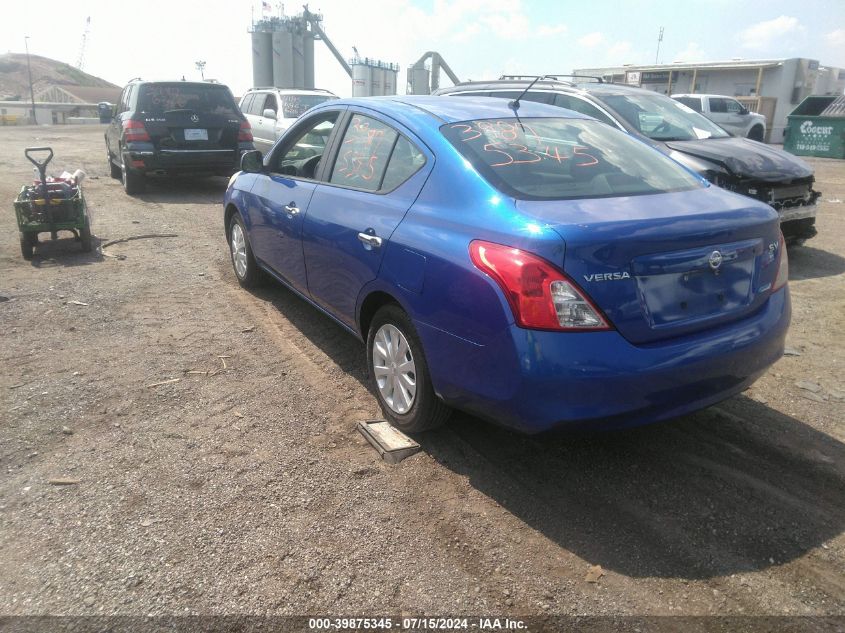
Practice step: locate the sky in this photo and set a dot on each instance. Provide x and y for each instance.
(479, 39)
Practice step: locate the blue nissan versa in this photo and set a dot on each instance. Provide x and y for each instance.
(526, 264)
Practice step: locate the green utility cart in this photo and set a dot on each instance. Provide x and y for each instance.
(50, 205)
(817, 127)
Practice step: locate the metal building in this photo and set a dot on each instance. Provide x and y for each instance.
(772, 87)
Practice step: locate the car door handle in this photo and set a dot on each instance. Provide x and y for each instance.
(292, 209)
(373, 241)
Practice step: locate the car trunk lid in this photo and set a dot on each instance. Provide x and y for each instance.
(670, 264)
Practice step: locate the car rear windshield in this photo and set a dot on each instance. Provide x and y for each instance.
(159, 99)
(661, 118)
(294, 106)
(561, 159)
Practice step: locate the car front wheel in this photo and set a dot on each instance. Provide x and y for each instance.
(399, 373)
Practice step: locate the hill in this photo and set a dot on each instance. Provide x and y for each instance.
(46, 72)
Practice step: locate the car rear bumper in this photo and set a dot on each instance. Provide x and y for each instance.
(174, 161)
(535, 381)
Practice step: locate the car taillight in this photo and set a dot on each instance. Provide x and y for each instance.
(541, 296)
(134, 131)
(245, 132)
(783, 266)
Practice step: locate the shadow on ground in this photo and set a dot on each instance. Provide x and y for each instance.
(65, 251)
(185, 190)
(806, 262)
(734, 488)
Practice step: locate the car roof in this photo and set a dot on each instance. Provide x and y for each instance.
(445, 110)
(588, 87)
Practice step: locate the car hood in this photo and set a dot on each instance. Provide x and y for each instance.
(746, 158)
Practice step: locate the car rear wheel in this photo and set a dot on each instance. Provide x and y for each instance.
(114, 170)
(399, 373)
(243, 261)
(756, 133)
(133, 182)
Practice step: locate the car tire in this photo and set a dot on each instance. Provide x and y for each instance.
(243, 261)
(114, 170)
(28, 242)
(85, 236)
(407, 397)
(133, 182)
(756, 133)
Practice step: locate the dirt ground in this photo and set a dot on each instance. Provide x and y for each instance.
(239, 485)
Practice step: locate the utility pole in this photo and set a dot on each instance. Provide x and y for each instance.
(659, 39)
(29, 71)
(201, 67)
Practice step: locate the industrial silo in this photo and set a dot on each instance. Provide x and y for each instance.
(282, 60)
(376, 80)
(390, 81)
(262, 58)
(298, 59)
(360, 80)
(308, 52)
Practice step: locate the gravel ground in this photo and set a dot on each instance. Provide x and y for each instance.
(212, 434)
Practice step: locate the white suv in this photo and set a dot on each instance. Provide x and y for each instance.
(727, 112)
(270, 111)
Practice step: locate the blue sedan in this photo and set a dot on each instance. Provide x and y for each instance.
(524, 263)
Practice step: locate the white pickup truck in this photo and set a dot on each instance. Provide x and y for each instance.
(728, 113)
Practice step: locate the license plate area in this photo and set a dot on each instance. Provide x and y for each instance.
(688, 286)
(195, 134)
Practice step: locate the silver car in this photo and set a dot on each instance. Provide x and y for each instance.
(270, 111)
(728, 113)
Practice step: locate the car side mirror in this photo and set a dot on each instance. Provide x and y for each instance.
(252, 162)
(269, 114)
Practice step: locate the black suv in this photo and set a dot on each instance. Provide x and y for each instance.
(175, 127)
(754, 169)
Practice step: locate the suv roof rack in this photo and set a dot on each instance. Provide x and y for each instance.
(553, 77)
(277, 88)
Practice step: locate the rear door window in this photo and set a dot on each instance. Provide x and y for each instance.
(257, 105)
(294, 106)
(363, 155)
(690, 102)
(247, 102)
(405, 161)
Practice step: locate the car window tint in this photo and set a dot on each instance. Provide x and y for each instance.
(159, 99)
(539, 97)
(362, 157)
(690, 102)
(733, 107)
(246, 103)
(718, 106)
(257, 106)
(270, 104)
(300, 157)
(294, 106)
(561, 159)
(405, 161)
(579, 105)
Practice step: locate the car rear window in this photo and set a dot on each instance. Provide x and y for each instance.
(690, 102)
(560, 159)
(159, 99)
(294, 106)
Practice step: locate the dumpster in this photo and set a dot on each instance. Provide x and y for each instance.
(817, 127)
(104, 110)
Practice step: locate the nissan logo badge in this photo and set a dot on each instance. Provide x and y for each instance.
(715, 260)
